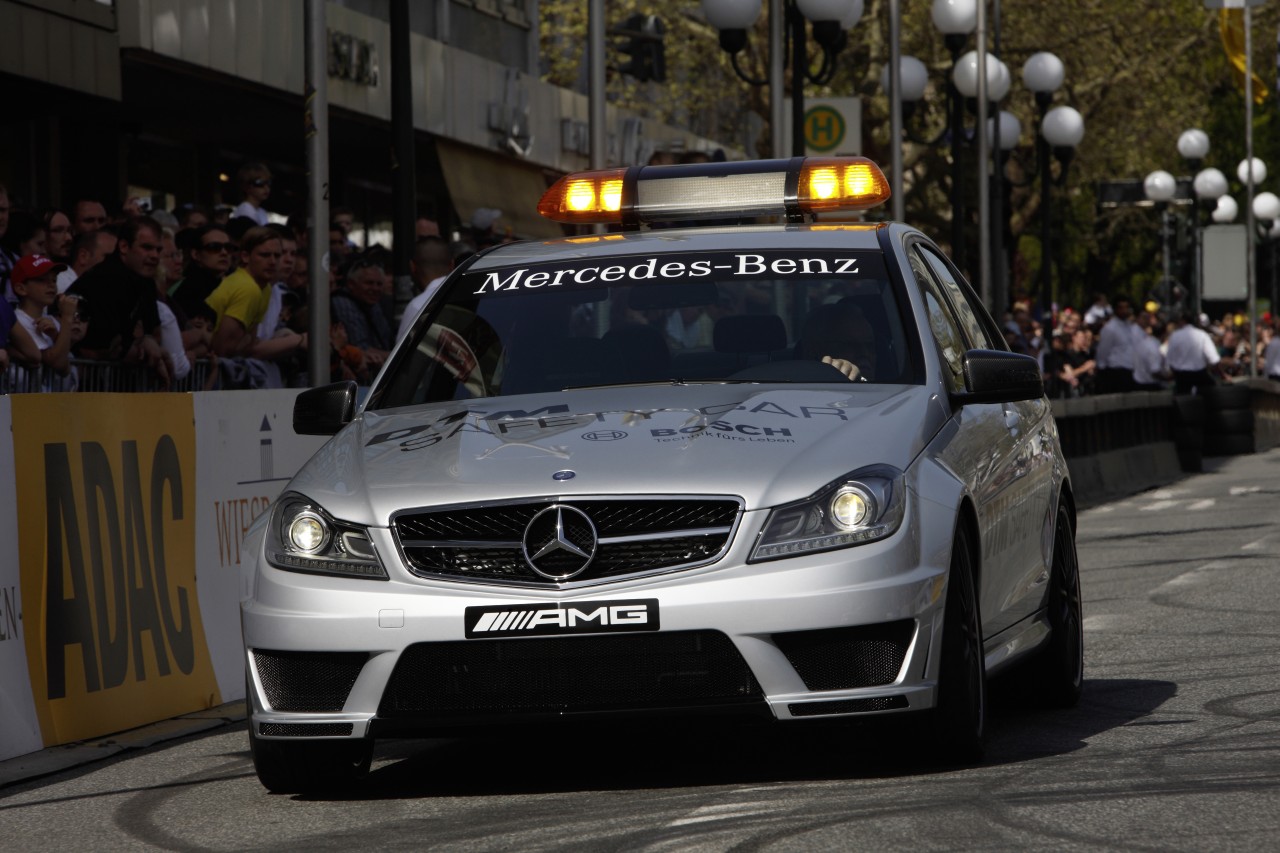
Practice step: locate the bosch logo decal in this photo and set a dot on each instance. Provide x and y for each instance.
(583, 617)
(726, 431)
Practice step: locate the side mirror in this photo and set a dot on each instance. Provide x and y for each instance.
(324, 410)
(995, 376)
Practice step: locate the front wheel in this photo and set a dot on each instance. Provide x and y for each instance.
(958, 720)
(1058, 671)
(310, 766)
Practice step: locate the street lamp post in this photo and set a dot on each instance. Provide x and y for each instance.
(1160, 187)
(1006, 130)
(1043, 74)
(956, 19)
(1266, 209)
(1193, 146)
(830, 20)
(1061, 130)
(1251, 171)
(1209, 186)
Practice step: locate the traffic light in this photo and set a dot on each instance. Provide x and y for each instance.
(644, 47)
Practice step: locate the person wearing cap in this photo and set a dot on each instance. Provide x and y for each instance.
(35, 283)
(483, 223)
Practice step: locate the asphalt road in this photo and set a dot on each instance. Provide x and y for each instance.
(1175, 746)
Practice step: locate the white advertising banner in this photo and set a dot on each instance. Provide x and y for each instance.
(246, 450)
(19, 725)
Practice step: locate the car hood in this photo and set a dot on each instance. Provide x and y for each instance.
(768, 444)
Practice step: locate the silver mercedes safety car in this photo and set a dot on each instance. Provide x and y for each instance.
(788, 470)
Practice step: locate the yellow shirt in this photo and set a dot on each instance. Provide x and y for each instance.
(241, 297)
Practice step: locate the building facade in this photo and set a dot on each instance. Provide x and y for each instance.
(165, 99)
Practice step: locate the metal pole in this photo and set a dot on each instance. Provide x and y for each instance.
(799, 63)
(595, 84)
(1249, 221)
(777, 75)
(1165, 252)
(999, 266)
(984, 157)
(1046, 210)
(956, 127)
(404, 173)
(895, 109)
(316, 132)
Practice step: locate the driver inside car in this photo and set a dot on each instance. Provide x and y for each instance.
(839, 335)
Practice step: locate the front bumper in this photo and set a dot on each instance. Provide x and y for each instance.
(845, 632)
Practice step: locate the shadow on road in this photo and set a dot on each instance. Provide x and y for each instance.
(623, 757)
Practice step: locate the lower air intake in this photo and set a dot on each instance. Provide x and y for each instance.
(307, 681)
(305, 729)
(848, 706)
(845, 658)
(674, 669)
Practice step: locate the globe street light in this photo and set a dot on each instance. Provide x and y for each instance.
(830, 20)
(1226, 211)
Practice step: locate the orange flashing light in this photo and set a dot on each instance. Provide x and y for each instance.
(585, 198)
(840, 183)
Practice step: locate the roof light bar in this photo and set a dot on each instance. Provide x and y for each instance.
(794, 188)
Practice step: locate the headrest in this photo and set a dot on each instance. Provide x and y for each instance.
(750, 333)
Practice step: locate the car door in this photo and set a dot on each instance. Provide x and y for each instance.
(994, 451)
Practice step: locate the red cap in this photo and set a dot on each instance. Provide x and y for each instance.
(34, 266)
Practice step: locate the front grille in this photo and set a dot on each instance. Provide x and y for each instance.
(677, 669)
(635, 536)
(844, 658)
(848, 706)
(305, 729)
(307, 681)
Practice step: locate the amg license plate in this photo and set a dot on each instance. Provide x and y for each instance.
(578, 617)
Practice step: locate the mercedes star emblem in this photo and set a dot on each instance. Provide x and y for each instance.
(559, 542)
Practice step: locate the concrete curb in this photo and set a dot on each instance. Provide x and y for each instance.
(55, 759)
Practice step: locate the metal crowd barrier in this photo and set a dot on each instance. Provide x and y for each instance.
(100, 376)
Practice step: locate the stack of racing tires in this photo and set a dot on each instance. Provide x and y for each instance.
(1188, 431)
(1228, 420)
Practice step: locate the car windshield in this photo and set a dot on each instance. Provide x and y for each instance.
(766, 316)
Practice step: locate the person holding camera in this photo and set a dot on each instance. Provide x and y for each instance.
(35, 284)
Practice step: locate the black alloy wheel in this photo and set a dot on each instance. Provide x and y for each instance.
(959, 718)
(1059, 669)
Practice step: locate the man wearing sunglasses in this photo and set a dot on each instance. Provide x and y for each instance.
(254, 180)
(121, 291)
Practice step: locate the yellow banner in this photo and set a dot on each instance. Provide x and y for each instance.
(1231, 27)
(106, 543)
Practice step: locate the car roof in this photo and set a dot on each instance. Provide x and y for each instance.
(844, 235)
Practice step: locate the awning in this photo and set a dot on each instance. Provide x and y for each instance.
(478, 179)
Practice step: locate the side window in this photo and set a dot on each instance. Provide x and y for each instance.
(946, 331)
(970, 314)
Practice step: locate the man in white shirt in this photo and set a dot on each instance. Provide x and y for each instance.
(432, 261)
(255, 185)
(1148, 361)
(1115, 349)
(1191, 355)
(1271, 367)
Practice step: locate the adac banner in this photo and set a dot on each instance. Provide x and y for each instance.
(106, 511)
(19, 730)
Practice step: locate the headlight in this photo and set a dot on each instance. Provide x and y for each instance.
(860, 507)
(302, 537)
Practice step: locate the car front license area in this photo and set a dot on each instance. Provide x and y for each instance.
(431, 654)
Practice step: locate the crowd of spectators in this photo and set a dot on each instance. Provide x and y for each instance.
(157, 294)
(1114, 347)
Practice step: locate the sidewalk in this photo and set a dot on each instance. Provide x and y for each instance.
(58, 758)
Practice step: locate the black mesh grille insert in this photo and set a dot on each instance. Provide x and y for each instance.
(492, 538)
(308, 681)
(306, 729)
(847, 706)
(565, 674)
(844, 658)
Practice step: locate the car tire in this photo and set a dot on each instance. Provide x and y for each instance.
(1058, 671)
(958, 719)
(1220, 397)
(1230, 422)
